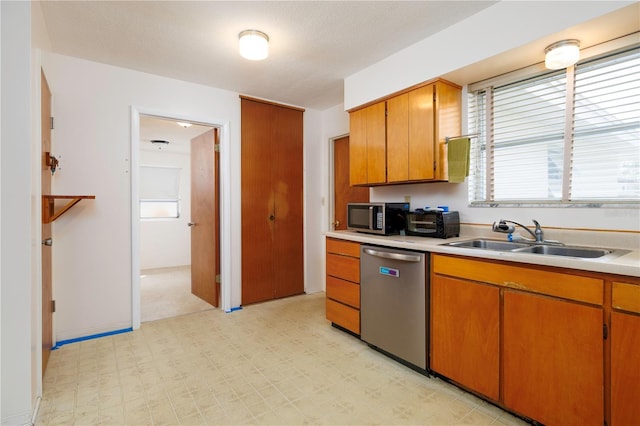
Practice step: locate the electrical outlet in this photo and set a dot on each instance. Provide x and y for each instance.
(407, 198)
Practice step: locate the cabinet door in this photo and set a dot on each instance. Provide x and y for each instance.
(376, 144)
(553, 359)
(625, 369)
(465, 334)
(421, 134)
(367, 145)
(358, 147)
(398, 138)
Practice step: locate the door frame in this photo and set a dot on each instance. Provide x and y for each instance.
(225, 204)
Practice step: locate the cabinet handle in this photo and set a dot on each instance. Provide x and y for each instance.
(47, 242)
(190, 224)
(272, 217)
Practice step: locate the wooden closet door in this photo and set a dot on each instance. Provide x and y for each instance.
(272, 242)
(287, 172)
(257, 203)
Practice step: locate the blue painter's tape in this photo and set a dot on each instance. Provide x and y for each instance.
(239, 308)
(93, 336)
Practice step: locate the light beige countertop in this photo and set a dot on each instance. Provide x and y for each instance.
(627, 263)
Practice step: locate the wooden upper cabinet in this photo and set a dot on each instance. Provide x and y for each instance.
(358, 147)
(376, 144)
(414, 131)
(398, 138)
(422, 141)
(367, 145)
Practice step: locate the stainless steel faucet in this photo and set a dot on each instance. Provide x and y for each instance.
(503, 226)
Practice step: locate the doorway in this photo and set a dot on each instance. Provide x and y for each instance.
(138, 140)
(166, 264)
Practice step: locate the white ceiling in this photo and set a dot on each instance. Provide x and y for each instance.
(179, 138)
(314, 45)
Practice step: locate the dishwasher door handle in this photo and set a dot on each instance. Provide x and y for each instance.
(395, 256)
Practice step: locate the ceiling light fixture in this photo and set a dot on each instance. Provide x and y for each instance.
(182, 124)
(562, 54)
(159, 143)
(254, 45)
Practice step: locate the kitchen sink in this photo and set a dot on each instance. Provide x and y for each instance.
(537, 248)
(489, 245)
(566, 251)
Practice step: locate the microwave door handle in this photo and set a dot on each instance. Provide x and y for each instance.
(372, 211)
(395, 256)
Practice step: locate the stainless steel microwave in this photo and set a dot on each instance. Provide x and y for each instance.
(377, 218)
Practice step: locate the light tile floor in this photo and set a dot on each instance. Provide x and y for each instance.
(274, 363)
(166, 292)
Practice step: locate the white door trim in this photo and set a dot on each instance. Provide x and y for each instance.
(225, 204)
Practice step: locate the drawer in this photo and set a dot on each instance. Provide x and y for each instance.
(626, 297)
(343, 316)
(347, 268)
(347, 248)
(343, 291)
(559, 284)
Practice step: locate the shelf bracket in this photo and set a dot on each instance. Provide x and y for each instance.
(48, 209)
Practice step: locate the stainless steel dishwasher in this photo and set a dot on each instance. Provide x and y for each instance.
(393, 301)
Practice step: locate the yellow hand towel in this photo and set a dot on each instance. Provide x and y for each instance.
(458, 158)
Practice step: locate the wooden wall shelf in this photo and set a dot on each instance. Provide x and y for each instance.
(48, 201)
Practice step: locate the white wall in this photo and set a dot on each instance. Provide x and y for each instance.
(454, 48)
(92, 256)
(496, 29)
(167, 242)
(335, 123)
(92, 260)
(16, 243)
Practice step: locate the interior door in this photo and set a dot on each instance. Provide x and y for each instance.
(47, 292)
(205, 218)
(288, 253)
(258, 203)
(344, 193)
(272, 194)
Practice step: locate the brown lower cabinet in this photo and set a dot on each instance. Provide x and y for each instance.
(554, 345)
(625, 354)
(343, 284)
(553, 359)
(466, 341)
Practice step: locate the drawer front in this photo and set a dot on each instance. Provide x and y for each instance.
(347, 248)
(626, 297)
(343, 316)
(343, 291)
(573, 287)
(347, 268)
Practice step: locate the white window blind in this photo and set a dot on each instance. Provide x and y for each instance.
(159, 192)
(560, 137)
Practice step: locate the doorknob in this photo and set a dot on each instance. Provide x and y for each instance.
(47, 242)
(191, 224)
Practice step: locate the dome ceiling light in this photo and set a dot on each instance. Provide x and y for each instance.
(562, 54)
(254, 45)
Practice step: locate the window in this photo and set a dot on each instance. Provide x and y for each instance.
(159, 192)
(561, 137)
